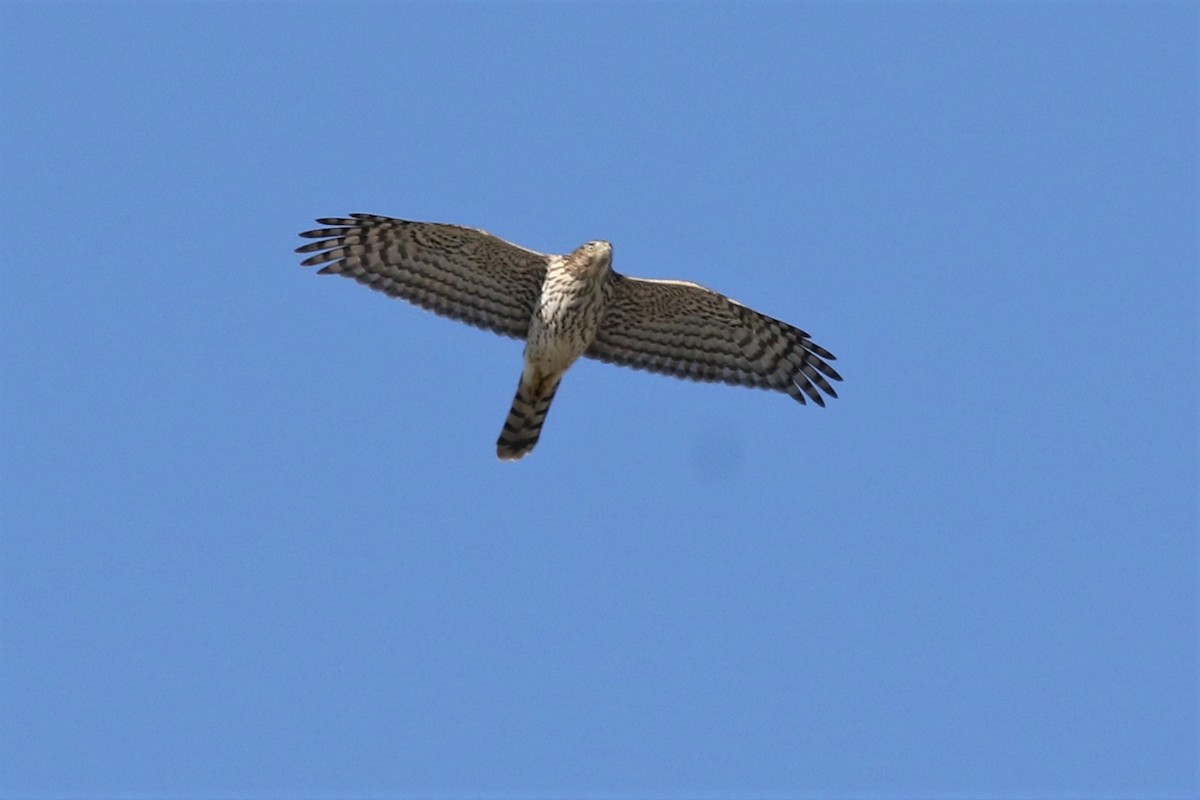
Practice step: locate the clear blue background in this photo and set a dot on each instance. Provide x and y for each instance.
(255, 538)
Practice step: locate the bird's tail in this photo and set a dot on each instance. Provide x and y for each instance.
(524, 424)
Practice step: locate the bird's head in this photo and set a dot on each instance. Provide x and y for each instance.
(597, 255)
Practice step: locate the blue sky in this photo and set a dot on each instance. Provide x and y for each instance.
(256, 540)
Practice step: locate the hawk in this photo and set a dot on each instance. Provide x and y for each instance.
(567, 306)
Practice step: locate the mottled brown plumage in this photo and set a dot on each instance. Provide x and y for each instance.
(565, 306)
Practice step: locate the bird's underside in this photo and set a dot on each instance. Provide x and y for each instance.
(566, 306)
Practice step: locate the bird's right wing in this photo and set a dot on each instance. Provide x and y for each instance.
(461, 273)
(683, 329)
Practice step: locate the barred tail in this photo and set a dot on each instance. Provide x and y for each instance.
(524, 424)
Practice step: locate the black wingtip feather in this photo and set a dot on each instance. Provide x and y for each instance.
(829, 371)
(321, 258)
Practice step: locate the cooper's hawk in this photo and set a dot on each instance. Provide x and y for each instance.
(567, 306)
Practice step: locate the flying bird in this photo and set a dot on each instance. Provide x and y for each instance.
(567, 306)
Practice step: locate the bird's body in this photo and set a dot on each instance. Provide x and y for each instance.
(564, 325)
(567, 306)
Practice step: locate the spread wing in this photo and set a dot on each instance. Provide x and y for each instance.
(682, 329)
(461, 273)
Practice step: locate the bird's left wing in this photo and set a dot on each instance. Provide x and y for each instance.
(461, 273)
(683, 329)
